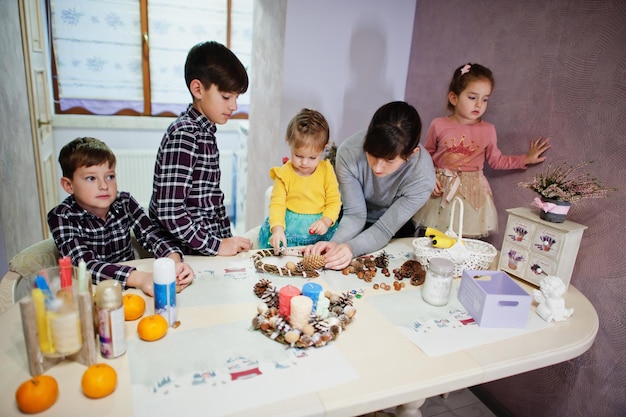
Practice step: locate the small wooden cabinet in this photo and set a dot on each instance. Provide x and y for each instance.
(532, 247)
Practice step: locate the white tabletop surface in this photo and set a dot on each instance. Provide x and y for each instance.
(391, 369)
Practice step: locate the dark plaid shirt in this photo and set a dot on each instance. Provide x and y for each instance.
(186, 197)
(102, 244)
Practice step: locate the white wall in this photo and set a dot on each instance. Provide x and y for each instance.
(132, 133)
(345, 58)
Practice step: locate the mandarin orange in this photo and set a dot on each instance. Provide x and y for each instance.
(151, 328)
(37, 394)
(99, 380)
(134, 306)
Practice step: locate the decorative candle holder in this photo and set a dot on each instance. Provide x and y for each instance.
(57, 320)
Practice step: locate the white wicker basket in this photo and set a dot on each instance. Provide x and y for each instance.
(465, 253)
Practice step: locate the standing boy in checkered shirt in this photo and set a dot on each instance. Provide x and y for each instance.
(94, 222)
(186, 199)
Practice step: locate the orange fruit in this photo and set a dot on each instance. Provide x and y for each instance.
(134, 306)
(151, 328)
(37, 394)
(99, 380)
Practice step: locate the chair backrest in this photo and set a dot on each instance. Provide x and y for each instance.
(43, 255)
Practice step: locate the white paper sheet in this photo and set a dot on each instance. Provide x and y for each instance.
(223, 369)
(441, 330)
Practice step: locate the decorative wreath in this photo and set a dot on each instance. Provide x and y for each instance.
(320, 330)
(307, 268)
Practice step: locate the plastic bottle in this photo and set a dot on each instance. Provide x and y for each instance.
(438, 283)
(164, 278)
(110, 312)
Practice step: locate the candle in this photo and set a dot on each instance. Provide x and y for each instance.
(285, 294)
(312, 290)
(65, 329)
(301, 307)
(323, 304)
(82, 277)
(65, 271)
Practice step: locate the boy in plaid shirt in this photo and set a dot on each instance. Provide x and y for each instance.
(94, 222)
(186, 198)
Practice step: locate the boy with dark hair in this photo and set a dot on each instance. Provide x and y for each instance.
(186, 198)
(94, 222)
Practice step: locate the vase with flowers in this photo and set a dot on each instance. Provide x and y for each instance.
(560, 186)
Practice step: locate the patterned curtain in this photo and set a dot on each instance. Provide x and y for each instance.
(98, 55)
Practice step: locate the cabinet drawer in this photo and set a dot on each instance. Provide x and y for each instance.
(547, 241)
(519, 231)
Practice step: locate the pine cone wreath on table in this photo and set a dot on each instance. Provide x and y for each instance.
(411, 269)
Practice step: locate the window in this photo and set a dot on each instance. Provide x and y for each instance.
(126, 57)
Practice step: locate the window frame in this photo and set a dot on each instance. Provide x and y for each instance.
(145, 51)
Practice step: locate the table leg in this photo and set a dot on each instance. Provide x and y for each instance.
(411, 409)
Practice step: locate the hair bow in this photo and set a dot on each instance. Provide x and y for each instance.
(465, 69)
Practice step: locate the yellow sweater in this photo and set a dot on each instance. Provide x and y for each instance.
(317, 193)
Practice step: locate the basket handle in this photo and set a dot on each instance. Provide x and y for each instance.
(450, 230)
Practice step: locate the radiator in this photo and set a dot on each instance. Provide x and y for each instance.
(135, 171)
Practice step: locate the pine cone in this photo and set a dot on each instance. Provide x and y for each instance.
(344, 300)
(313, 262)
(261, 286)
(319, 324)
(413, 270)
(382, 260)
(270, 297)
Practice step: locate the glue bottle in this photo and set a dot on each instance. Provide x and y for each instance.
(164, 278)
(110, 312)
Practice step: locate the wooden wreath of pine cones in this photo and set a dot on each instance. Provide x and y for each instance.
(308, 267)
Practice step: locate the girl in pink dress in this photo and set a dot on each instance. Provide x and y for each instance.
(459, 144)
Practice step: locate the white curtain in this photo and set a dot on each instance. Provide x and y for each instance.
(97, 49)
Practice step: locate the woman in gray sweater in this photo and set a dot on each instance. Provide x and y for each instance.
(384, 177)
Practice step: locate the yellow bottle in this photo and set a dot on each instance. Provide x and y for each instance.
(443, 241)
(43, 328)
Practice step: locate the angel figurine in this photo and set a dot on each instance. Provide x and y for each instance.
(549, 297)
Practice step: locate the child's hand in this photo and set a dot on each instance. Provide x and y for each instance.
(319, 227)
(184, 275)
(278, 237)
(537, 148)
(233, 245)
(141, 280)
(438, 191)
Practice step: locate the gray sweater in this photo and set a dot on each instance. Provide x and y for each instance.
(388, 202)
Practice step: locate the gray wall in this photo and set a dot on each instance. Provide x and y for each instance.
(560, 70)
(20, 223)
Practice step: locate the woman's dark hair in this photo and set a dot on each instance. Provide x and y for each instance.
(466, 73)
(394, 131)
(213, 63)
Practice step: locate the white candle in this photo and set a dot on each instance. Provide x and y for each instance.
(65, 329)
(301, 307)
(323, 303)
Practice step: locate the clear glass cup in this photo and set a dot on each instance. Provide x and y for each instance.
(57, 311)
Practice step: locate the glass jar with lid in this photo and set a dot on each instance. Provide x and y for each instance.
(438, 283)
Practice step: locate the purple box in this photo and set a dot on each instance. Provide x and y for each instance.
(495, 302)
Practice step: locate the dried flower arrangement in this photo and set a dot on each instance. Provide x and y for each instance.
(564, 183)
(514, 256)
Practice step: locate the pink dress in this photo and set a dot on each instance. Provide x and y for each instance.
(459, 153)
